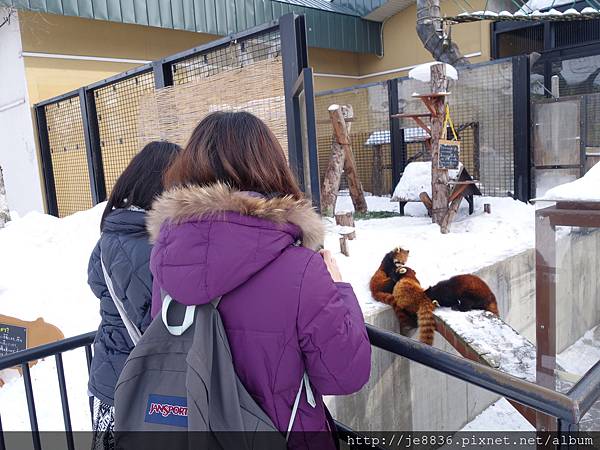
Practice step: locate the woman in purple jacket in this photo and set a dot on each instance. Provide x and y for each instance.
(234, 223)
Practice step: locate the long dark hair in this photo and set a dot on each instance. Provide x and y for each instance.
(142, 180)
(235, 148)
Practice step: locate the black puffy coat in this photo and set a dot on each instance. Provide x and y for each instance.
(126, 255)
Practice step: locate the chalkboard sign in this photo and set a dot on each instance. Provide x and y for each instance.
(449, 154)
(12, 339)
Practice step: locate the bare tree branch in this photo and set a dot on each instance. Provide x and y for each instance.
(432, 35)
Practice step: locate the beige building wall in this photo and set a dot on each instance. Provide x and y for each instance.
(403, 49)
(60, 35)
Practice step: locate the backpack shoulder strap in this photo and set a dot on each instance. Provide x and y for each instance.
(133, 331)
(188, 318)
(304, 383)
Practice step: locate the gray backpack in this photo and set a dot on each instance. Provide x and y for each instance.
(181, 378)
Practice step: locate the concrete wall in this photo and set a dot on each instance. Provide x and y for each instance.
(403, 395)
(18, 156)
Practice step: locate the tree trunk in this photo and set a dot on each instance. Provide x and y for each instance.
(331, 180)
(342, 136)
(4, 213)
(439, 177)
(445, 225)
(377, 174)
(429, 29)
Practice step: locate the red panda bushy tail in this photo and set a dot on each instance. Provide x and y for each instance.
(426, 322)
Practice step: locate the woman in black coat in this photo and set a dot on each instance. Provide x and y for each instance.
(125, 251)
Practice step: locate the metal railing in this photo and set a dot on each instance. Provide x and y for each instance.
(567, 408)
(23, 358)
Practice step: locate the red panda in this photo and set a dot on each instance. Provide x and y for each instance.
(410, 299)
(463, 293)
(384, 279)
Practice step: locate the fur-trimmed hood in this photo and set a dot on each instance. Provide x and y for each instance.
(209, 241)
(183, 204)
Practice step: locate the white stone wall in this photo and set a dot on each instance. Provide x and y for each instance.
(18, 154)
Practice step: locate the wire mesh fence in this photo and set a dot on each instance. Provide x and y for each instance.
(68, 154)
(246, 75)
(244, 72)
(481, 105)
(118, 111)
(369, 134)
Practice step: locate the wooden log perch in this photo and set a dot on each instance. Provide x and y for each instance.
(331, 180)
(424, 196)
(335, 168)
(452, 210)
(346, 220)
(439, 177)
(342, 136)
(377, 171)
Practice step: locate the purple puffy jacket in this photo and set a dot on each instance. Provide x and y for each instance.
(282, 312)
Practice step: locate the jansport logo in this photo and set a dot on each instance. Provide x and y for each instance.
(167, 410)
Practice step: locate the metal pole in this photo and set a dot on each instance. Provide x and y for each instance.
(35, 433)
(60, 370)
(545, 309)
(46, 157)
(295, 58)
(397, 145)
(521, 129)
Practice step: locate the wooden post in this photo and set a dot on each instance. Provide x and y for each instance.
(452, 210)
(439, 177)
(424, 196)
(344, 245)
(346, 220)
(331, 180)
(335, 168)
(377, 173)
(341, 135)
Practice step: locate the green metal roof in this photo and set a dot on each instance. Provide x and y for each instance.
(325, 29)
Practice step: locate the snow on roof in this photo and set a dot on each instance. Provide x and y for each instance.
(416, 179)
(423, 72)
(414, 134)
(584, 189)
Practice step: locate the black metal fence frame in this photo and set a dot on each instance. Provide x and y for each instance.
(294, 52)
(568, 409)
(521, 129)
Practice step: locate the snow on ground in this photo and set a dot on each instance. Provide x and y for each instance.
(586, 188)
(500, 416)
(474, 241)
(44, 271)
(577, 359)
(43, 267)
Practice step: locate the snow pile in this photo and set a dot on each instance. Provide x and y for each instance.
(500, 416)
(586, 188)
(474, 242)
(422, 72)
(44, 274)
(374, 203)
(499, 344)
(416, 179)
